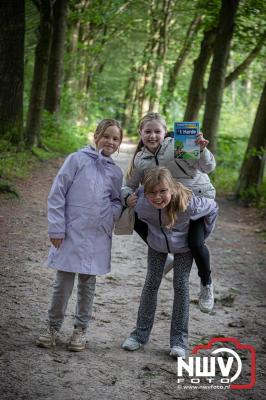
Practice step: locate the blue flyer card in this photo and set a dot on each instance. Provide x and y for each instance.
(185, 134)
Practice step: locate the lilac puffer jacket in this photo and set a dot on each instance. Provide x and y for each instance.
(83, 204)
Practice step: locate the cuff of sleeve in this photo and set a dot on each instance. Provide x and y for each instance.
(56, 235)
(125, 200)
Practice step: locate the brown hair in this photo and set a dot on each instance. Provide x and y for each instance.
(180, 194)
(150, 116)
(104, 124)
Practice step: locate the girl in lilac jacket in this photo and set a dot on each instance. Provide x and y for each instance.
(83, 204)
(167, 208)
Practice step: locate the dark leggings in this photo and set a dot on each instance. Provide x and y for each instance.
(141, 228)
(199, 250)
(196, 244)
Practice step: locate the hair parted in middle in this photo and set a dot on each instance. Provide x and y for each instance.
(150, 116)
(104, 124)
(180, 194)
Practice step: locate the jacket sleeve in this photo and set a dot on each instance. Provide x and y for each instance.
(133, 182)
(206, 162)
(116, 197)
(57, 197)
(203, 207)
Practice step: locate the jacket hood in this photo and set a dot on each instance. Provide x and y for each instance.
(91, 152)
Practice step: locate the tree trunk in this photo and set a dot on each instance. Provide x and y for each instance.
(197, 92)
(196, 87)
(248, 88)
(191, 32)
(56, 61)
(72, 50)
(38, 86)
(148, 60)
(126, 119)
(12, 30)
(94, 66)
(216, 82)
(158, 72)
(252, 169)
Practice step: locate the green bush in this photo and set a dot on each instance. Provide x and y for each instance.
(14, 163)
(255, 196)
(229, 157)
(61, 136)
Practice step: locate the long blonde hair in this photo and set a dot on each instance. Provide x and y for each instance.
(104, 124)
(180, 194)
(150, 116)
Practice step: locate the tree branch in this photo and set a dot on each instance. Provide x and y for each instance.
(246, 63)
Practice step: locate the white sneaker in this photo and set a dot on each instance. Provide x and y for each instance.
(177, 351)
(169, 263)
(77, 340)
(47, 338)
(131, 344)
(206, 298)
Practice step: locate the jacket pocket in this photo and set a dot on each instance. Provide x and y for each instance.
(107, 229)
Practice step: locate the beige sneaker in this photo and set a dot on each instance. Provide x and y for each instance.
(77, 340)
(47, 338)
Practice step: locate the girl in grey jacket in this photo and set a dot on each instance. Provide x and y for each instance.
(167, 207)
(156, 150)
(83, 204)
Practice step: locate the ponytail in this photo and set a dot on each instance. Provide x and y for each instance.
(131, 165)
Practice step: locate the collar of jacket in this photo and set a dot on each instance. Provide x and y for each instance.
(161, 148)
(148, 154)
(98, 155)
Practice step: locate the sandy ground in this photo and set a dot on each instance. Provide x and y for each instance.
(104, 371)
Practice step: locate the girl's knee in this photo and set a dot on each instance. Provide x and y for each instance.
(152, 284)
(84, 278)
(195, 246)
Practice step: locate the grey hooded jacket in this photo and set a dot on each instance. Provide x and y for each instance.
(193, 173)
(175, 240)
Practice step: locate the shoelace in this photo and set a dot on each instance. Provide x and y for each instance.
(206, 292)
(48, 330)
(77, 334)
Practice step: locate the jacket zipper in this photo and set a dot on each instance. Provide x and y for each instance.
(182, 169)
(160, 220)
(155, 155)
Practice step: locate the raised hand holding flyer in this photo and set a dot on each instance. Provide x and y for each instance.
(185, 135)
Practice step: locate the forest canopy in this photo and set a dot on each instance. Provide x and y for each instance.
(67, 64)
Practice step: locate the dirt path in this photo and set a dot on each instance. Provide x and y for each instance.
(104, 371)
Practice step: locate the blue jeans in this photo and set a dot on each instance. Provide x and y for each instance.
(63, 287)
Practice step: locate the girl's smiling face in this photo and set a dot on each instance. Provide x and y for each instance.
(109, 141)
(160, 195)
(152, 134)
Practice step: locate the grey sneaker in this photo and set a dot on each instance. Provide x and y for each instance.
(206, 298)
(169, 263)
(177, 351)
(78, 340)
(131, 344)
(47, 338)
